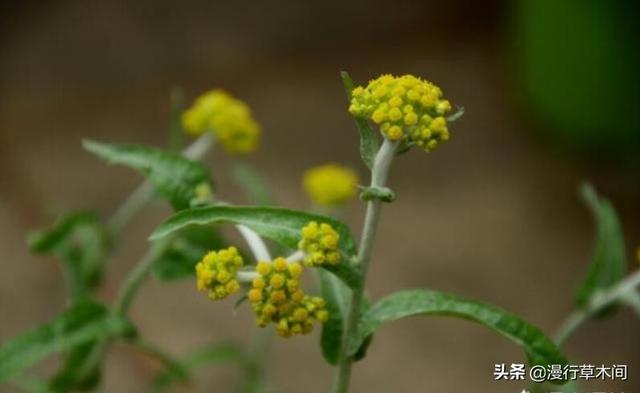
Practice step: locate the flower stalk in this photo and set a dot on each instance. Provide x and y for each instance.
(379, 175)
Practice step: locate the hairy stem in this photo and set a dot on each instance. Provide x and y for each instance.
(379, 174)
(623, 291)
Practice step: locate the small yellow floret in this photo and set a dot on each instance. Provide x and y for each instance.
(330, 184)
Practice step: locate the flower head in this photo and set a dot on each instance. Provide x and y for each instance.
(277, 298)
(406, 108)
(330, 184)
(320, 244)
(228, 118)
(216, 273)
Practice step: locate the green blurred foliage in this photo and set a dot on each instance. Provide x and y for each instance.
(578, 62)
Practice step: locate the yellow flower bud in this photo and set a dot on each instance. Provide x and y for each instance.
(419, 99)
(330, 185)
(229, 119)
(277, 298)
(216, 273)
(322, 247)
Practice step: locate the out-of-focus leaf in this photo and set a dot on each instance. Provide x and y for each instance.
(70, 377)
(81, 243)
(539, 349)
(219, 353)
(187, 247)
(281, 225)
(253, 184)
(84, 322)
(609, 262)
(174, 177)
(369, 139)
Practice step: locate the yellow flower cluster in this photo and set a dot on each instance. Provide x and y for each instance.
(228, 118)
(406, 108)
(320, 244)
(216, 273)
(330, 185)
(277, 298)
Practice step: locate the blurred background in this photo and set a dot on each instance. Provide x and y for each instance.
(551, 93)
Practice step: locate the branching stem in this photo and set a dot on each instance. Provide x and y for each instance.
(379, 174)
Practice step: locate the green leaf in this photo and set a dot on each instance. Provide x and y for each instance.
(609, 262)
(218, 353)
(173, 176)
(539, 348)
(281, 225)
(253, 184)
(338, 297)
(81, 243)
(369, 140)
(70, 377)
(187, 247)
(84, 322)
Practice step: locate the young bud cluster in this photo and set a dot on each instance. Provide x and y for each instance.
(406, 108)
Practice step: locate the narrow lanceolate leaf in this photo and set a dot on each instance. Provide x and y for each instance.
(609, 262)
(174, 177)
(219, 353)
(187, 247)
(281, 225)
(84, 322)
(369, 139)
(80, 242)
(539, 348)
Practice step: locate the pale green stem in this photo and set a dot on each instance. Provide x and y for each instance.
(138, 274)
(379, 174)
(633, 300)
(619, 292)
(253, 381)
(255, 243)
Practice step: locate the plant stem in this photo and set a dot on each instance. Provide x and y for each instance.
(253, 381)
(137, 275)
(618, 292)
(143, 194)
(632, 299)
(379, 174)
